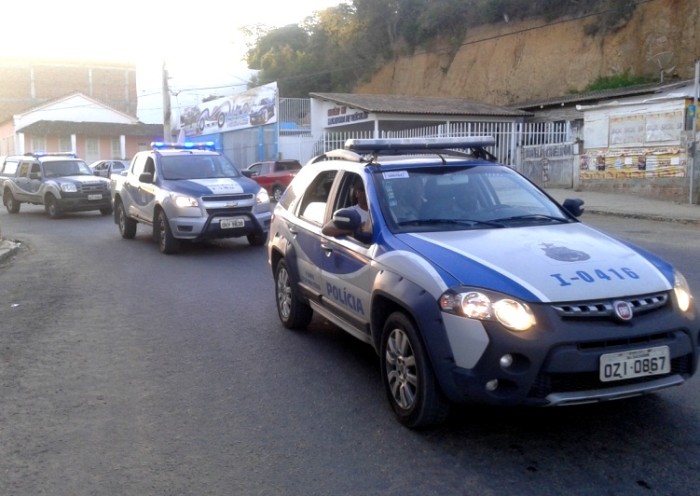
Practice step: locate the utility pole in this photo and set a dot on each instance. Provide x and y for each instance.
(693, 148)
(167, 131)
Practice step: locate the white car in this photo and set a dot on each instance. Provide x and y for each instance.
(105, 168)
(472, 284)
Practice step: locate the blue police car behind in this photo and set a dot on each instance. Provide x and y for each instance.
(472, 284)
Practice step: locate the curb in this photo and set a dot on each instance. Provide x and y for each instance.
(8, 249)
(643, 216)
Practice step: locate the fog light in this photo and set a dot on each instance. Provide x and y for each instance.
(506, 360)
(492, 385)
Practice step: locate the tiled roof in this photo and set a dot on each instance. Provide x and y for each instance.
(421, 105)
(93, 128)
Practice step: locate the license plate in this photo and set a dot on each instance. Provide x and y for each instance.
(634, 363)
(94, 197)
(231, 223)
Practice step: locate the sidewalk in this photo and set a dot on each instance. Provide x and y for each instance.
(630, 206)
(594, 203)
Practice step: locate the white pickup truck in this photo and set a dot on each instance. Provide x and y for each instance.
(60, 182)
(188, 192)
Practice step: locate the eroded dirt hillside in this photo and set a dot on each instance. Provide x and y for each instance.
(531, 60)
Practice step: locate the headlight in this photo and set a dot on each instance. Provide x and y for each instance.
(186, 201)
(69, 188)
(682, 291)
(512, 314)
(262, 196)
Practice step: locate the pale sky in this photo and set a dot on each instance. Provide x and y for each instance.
(199, 41)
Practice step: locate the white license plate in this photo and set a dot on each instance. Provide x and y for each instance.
(231, 223)
(634, 363)
(94, 197)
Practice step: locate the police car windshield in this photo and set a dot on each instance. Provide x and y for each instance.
(62, 168)
(459, 198)
(179, 167)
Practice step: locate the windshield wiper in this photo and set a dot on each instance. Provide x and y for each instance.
(534, 217)
(461, 222)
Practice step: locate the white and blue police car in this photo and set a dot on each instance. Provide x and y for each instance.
(472, 284)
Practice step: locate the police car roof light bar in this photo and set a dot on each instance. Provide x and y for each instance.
(161, 145)
(50, 154)
(417, 144)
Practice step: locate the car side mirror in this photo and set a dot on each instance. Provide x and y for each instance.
(347, 219)
(247, 173)
(146, 177)
(574, 206)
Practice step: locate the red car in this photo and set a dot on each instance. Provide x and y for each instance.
(273, 175)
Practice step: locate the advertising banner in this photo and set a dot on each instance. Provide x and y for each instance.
(255, 107)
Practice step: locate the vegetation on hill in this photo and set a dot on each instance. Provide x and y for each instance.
(336, 48)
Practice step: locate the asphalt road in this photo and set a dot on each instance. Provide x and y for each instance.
(124, 371)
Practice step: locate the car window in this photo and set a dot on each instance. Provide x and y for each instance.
(456, 198)
(10, 166)
(313, 205)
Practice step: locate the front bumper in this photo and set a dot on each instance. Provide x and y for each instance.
(558, 362)
(198, 228)
(81, 202)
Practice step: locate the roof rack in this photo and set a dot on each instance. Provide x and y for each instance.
(418, 144)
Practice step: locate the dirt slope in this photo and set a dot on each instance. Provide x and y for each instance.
(521, 61)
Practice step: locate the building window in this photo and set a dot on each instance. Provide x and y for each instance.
(116, 148)
(64, 144)
(92, 146)
(38, 144)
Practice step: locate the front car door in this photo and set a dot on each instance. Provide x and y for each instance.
(346, 269)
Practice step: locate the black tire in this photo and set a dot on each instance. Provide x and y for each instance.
(106, 211)
(257, 239)
(166, 242)
(51, 206)
(127, 225)
(408, 377)
(277, 193)
(293, 313)
(11, 204)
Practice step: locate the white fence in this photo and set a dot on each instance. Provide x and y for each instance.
(510, 138)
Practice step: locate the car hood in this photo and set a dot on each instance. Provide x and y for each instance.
(213, 186)
(81, 179)
(568, 262)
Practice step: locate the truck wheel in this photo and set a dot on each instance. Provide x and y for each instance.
(257, 239)
(11, 204)
(166, 242)
(127, 225)
(51, 206)
(293, 313)
(407, 375)
(277, 193)
(106, 211)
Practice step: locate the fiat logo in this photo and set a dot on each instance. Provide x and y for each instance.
(623, 310)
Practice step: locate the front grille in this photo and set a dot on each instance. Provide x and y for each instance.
(229, 211)
(89, 188)
(604, 308)
(221, 198)
(546, 383)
